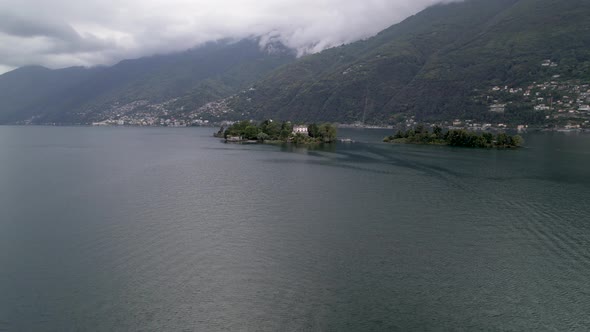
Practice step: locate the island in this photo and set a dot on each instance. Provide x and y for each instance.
(454, 137)
(270, 131)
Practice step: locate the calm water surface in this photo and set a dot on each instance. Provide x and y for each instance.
(168, 229)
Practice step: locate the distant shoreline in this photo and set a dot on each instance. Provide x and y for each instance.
(341, 126)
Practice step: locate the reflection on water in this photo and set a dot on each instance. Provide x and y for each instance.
(164, 229)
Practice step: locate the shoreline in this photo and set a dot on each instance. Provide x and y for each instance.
(529, 130)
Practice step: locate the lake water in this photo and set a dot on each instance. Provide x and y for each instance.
(159, 229)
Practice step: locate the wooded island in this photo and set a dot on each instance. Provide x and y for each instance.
(454, 137)
(270, 131)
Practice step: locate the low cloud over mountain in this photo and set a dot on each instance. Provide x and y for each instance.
(64, 33)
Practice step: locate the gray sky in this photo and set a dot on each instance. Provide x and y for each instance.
(61, 33)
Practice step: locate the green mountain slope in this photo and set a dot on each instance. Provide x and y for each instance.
(441, 63)
(78, 95)
(431, 64)
(22, 89)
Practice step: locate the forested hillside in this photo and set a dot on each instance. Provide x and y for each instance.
(78, 95)
(434, 65)
(492, 60)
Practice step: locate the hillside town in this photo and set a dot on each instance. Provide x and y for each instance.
(563, 105)
(168, 114)
(557, 104)
(560, 103)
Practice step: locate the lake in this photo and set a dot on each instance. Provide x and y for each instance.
(160, 229)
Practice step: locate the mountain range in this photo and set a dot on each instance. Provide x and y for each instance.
(437, 64)
(81, 95)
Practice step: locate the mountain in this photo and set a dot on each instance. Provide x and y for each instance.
(437, 64)
(79, 95)
(22, 89)
(493, 60)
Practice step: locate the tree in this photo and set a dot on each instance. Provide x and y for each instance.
(437, 131)
(313, 130)
(284, 134)
(221, 132)
(399, 134)
(480, 141)
(420, 129)
(237, 129)
(288, 126)
(502, 139)
(517, 140)
(299, 138)
(327, 132)
(271, 128)
(262, 136)
(251, 132)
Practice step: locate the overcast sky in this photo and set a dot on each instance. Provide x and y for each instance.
(61, 33)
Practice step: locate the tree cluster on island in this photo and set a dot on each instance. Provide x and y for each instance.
(422, 135)
(271, 131)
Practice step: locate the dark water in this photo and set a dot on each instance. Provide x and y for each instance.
(168, 229)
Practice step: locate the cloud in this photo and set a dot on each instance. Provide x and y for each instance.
(63, 33)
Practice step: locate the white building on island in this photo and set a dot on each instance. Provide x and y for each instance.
(300, 130)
